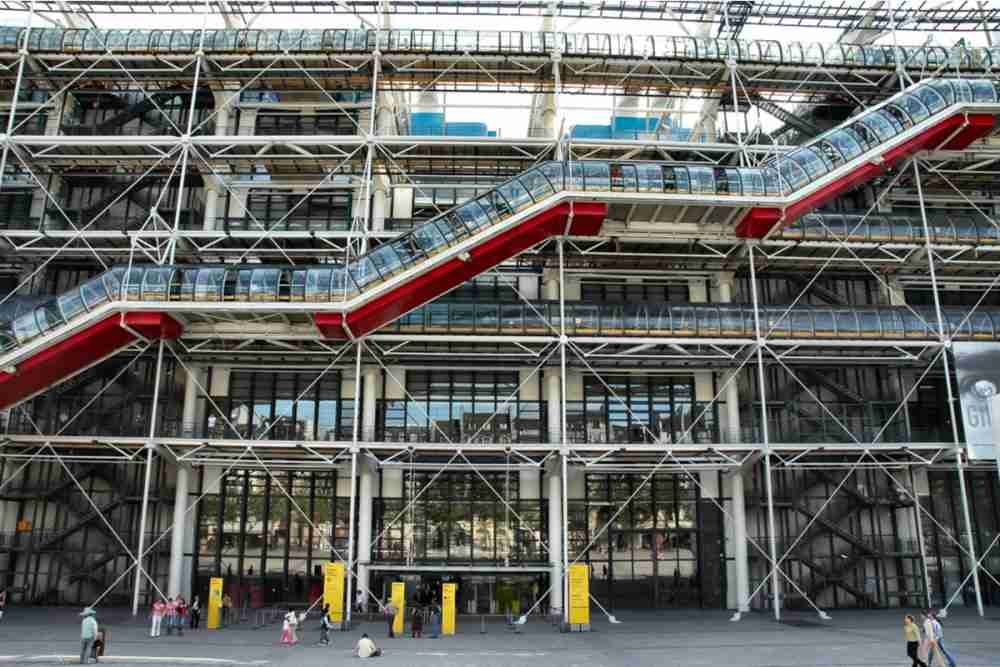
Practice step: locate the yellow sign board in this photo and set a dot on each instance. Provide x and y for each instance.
(214, 603)
(333, 590)
(399, 602)
(448, 592)
(579, 594)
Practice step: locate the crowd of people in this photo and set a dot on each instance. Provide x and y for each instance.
(178, 614)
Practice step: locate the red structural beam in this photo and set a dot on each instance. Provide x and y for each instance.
(587, 218)
(953, 133)
(81, 350)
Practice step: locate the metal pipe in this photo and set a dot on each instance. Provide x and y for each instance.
(958, 449)
(920, 539)
(150, 447)
(765, 434)
(564, 446)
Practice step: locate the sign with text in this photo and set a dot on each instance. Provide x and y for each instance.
(977, 367)
(448, 596)
(399, 602)
(579, 594)
(333, 590)
(214, 603)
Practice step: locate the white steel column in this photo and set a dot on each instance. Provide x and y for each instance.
(189, 413)
(150, 446)
(740, 544)
(366, 494)
(555, 536)
(768, 485)
(958, 449)
(211, 211)
(177, 536)
(370, 377)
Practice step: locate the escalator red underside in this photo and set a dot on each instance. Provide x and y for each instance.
(954, 133)
(586, 221)
(95, 342)
(82, 350)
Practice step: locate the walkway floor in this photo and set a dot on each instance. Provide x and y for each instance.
(689, 638)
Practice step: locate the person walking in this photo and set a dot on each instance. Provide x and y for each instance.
(360, 601)
(390, 616)
(88, 633)
(434, 621)
(938, 637)
(195, 612)
(417, 623)
(325, 625)
(157, 615)
(227, 608)
(288, 626)
(911, 634)
(171, 614)
(3, 602)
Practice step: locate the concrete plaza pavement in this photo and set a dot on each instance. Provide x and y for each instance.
(679, 637)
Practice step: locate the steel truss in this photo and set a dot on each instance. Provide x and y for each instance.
(363, 159)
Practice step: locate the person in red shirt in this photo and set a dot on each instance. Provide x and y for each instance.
(181, 617)
(159, 608)
(171, 615)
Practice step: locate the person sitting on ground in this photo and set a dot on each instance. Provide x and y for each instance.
(366, 648)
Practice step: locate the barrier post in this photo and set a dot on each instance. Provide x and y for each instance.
(399, 602)
(333, 592)
(448, 608)
(214, 603)
(579, 597)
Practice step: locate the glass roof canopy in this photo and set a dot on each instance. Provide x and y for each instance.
(495, 41)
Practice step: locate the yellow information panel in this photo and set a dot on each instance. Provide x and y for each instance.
(214, 603)
(333, 590)
(399, 602)
(448, 592)
(579, 594)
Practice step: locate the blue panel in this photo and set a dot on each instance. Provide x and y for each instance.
(591, 132)
(466, 129)
(631, 127)
(426, 123)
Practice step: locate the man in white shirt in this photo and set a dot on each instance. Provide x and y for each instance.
(366, 648)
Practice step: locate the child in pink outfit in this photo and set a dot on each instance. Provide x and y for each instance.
(158, 610)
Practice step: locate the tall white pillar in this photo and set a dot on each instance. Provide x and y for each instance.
(175, 585)
(555, 537)
(189, 412)
(553, 390)
(380, 202)
(733, 431)
(366, 494)
(369, 408)
(742, 573)
(211, 211)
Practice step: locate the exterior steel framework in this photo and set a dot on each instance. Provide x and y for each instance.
(202, 155)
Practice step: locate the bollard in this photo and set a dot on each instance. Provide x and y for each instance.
(482, 625)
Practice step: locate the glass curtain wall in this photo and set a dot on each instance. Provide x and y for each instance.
(457, 520)
(659, 552)
(639, 408)
(466, 407)
(263, 405)
(946, 564)
(254, 536)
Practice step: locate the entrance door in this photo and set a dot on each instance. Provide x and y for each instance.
(653, 568)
